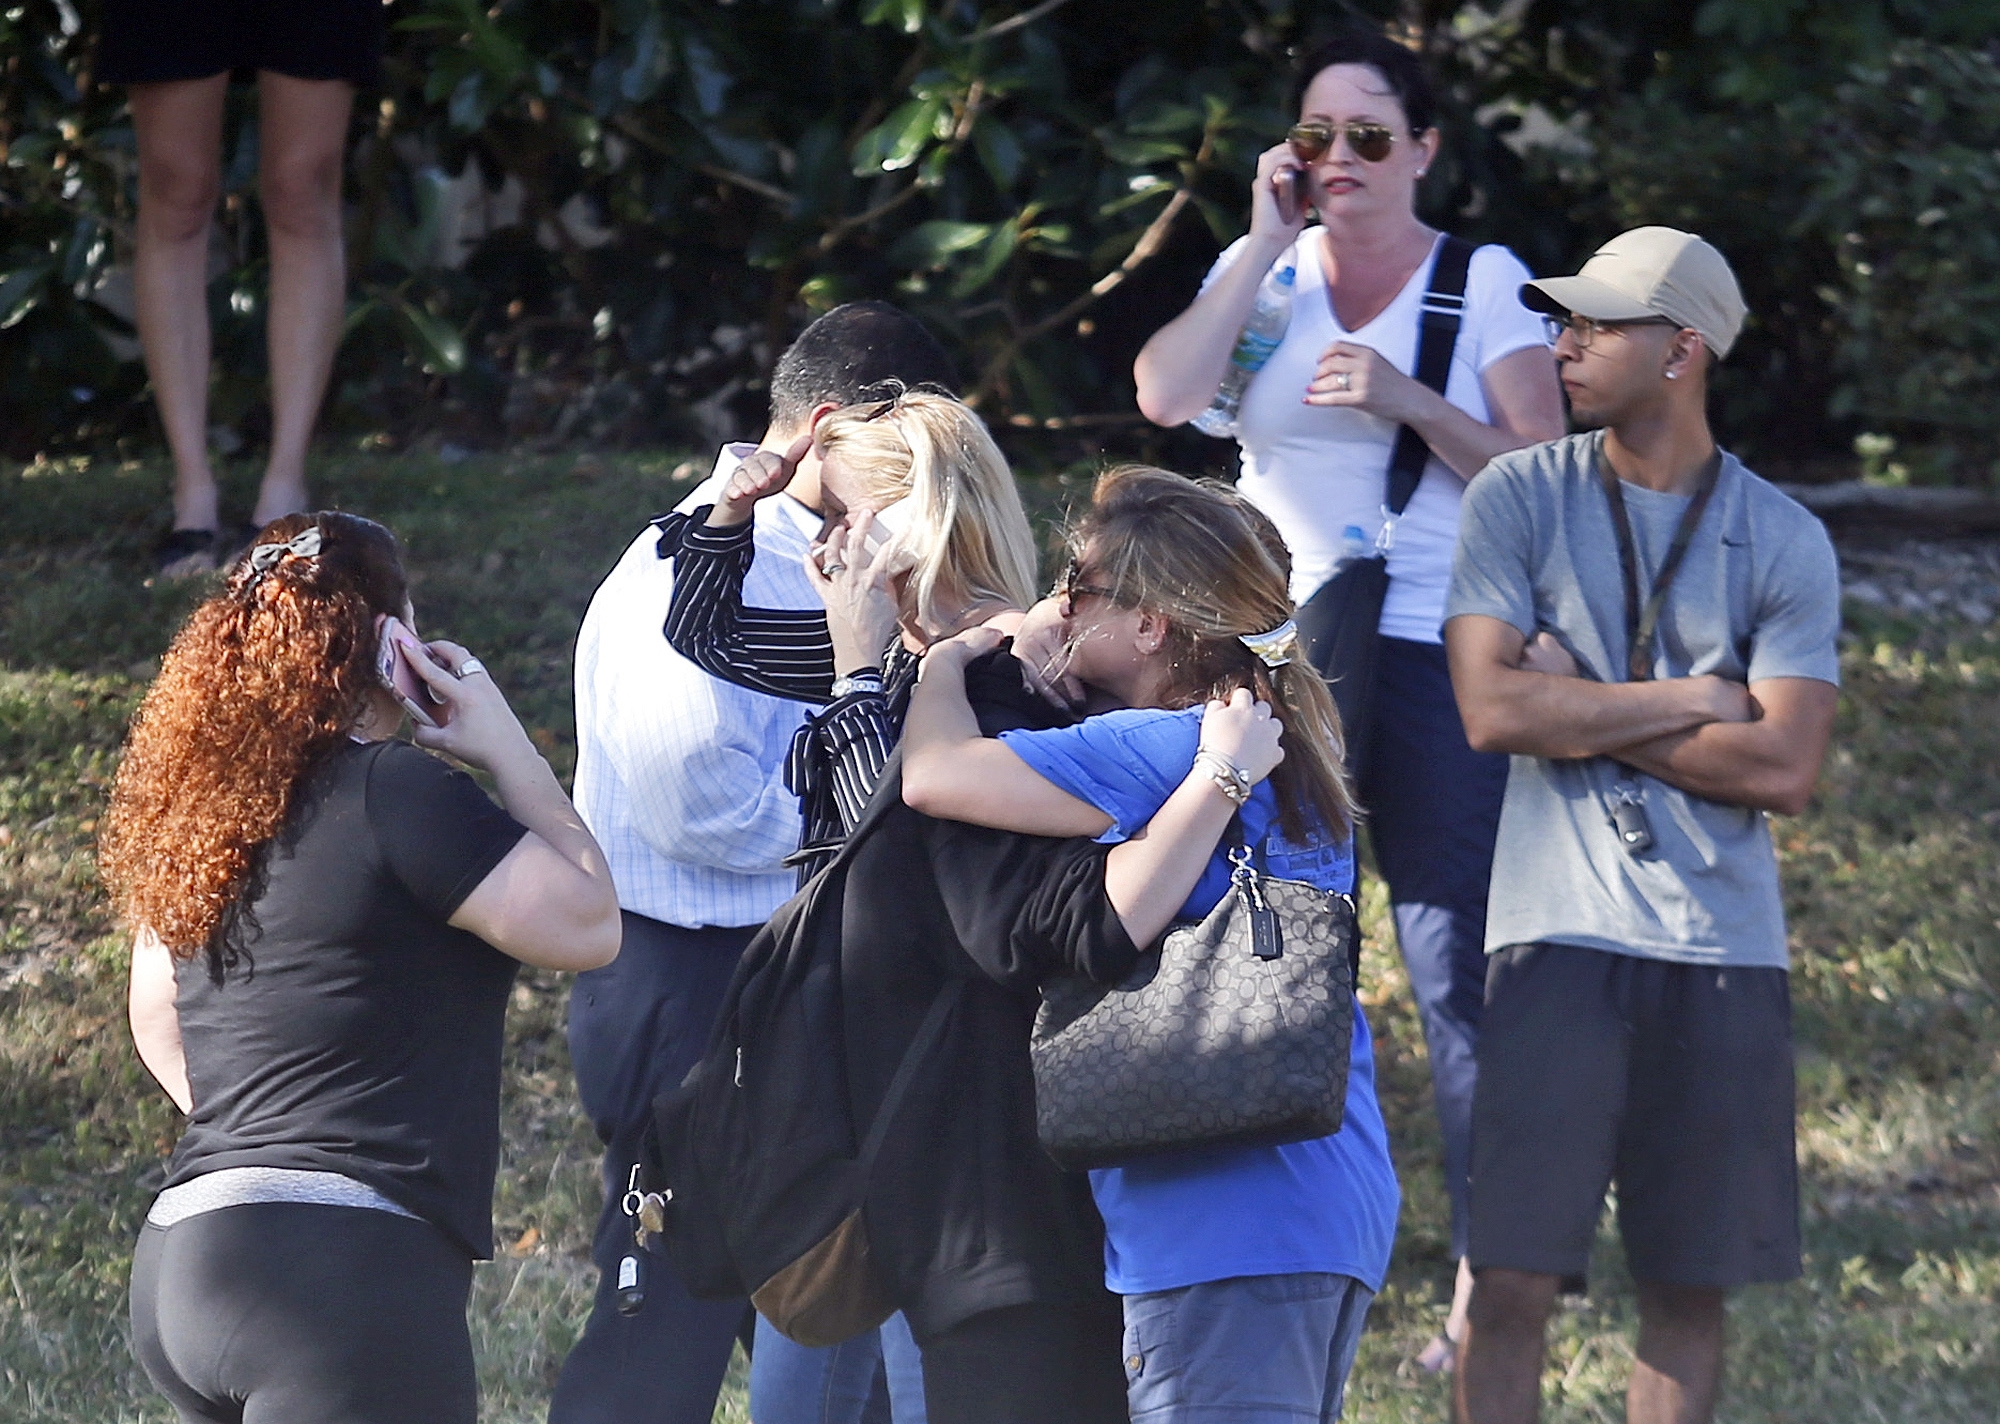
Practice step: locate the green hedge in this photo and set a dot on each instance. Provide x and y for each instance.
(1043, 182)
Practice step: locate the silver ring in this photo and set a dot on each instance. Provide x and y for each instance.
(469, 667)
(831, 569)
(1341, 380)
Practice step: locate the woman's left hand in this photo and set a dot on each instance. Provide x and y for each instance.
(478, 727)
(855, 584)
(963, 647)
(1041, 644)
(1243, 731)
(1358, 377)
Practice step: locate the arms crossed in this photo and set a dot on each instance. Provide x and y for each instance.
(1759, 746)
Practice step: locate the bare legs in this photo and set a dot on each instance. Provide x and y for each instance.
(303, 130)
(1678, 1373)
(303, 133)
(179, 127)
(1499, 1376)
(1674, 1380)
(1441, 1354)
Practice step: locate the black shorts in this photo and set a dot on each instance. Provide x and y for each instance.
(309, 1314)
(1672, 1080)
(150, 42)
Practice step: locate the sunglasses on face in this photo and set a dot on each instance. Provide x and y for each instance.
(1071, 586)
(1583, 329)
(1371, 142)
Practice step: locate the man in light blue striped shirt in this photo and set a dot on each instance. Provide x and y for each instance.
(680, 777)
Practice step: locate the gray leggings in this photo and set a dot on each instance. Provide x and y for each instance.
(306, 1314)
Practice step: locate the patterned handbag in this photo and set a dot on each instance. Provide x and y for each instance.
(1234, 1031)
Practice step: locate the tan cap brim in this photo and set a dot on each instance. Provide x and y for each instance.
(1586, 296)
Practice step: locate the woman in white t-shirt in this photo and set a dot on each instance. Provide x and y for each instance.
(1317, 426)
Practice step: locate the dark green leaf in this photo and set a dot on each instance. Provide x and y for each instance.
(929, 244)
(438, 345)
(998, 150)
(999, 248)
(19, 291)
(1141, 152)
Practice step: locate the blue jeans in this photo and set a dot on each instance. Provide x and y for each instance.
(1246, 1350)
(792, 1383)
(1433, 813)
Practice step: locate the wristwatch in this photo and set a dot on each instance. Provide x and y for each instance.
(865, 679)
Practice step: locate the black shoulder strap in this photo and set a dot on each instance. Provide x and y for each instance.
(1437, 334)
(927, 1036)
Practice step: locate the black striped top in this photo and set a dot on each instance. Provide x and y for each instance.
(837, 757)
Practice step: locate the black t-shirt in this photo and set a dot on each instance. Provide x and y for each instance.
(363, 1034)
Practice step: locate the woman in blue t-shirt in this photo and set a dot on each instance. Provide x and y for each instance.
(1246, 1272)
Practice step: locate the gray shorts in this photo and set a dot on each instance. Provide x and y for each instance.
(1672, 1080)
(1246, 1350)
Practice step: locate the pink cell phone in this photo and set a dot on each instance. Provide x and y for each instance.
(1285, 185)
(392, 665)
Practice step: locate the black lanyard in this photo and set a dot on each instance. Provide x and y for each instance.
(1641, 621)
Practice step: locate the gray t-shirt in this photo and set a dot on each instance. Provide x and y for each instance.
(1757, 596)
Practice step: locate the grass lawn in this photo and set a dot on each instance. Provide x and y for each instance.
(1892, 881)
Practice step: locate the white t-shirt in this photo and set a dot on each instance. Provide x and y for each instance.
(1316, 470)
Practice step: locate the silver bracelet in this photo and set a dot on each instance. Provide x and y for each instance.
(860, 680)
(1233, 779)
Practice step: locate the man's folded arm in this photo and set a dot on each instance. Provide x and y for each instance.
(1770, 763)
(1509, 708)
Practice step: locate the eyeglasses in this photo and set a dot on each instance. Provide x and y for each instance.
(1371, 142)
(1069, 587)
(1583, 329)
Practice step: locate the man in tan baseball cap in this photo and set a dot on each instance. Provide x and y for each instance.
(1650, 631)
(1647, 274)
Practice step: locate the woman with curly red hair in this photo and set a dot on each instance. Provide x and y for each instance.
(327, 923)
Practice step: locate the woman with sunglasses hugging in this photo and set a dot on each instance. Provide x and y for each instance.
(327, 924)
(1317, 426)
(1245, 1272)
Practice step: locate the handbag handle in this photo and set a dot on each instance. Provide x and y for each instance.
(1247, 882)
(1246, 878)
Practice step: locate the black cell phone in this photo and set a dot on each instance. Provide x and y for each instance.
(1285, 185)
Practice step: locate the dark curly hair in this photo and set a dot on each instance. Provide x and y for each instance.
(262, 683)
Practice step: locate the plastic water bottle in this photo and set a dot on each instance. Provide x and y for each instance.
(1260, 336)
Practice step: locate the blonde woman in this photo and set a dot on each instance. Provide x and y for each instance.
(924, 537)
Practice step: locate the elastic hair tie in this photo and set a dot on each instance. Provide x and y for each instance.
(1276, 647)
(265, 557)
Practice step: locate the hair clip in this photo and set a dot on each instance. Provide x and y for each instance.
(265, 557)
(1276, 647)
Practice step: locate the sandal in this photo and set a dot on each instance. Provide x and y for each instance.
(233, 543)
(184, 554)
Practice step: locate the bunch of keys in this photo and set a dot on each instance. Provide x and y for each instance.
(1628, 818)
(647, 1212)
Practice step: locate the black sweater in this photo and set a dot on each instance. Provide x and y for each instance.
(966, 1213)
